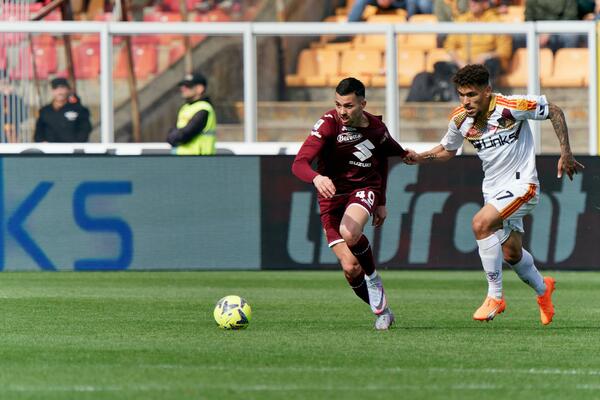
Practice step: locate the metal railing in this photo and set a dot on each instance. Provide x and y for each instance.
(250, 31)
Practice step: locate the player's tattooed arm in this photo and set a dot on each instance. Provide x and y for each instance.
(566, 162)
(437, 154)
(557, 117)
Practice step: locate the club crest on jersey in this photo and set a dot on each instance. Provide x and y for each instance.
(473, 133)
(492, 128)
(348, 137)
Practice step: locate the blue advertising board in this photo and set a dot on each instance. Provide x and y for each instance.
(117, 213)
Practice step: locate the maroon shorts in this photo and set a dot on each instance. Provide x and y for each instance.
(332, 210)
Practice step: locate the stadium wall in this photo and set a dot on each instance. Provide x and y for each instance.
(248, 212)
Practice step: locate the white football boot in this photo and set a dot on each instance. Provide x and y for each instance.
(377, 299)
(385, 320)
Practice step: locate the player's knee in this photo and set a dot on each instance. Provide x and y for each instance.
(512, 255)
(481, 227)
(350, 236)
(351, 268)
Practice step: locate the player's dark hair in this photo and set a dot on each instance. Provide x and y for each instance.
(472, 75)
(350, 85)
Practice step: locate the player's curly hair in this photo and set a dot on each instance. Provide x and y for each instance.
(350, 85)
(472, 75)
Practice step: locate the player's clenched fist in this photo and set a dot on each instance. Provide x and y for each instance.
(324, 185)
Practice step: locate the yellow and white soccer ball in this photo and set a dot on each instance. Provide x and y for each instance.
(232, 312)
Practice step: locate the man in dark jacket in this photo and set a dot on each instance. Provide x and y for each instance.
(64, 120)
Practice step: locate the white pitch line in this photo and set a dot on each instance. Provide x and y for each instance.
(522, 371)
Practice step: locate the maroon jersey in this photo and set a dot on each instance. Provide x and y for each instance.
(352, 158)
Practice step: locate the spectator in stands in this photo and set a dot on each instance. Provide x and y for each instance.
(359, 7)
(418, 7)
(448, 10)
(588, 9)
(493, 51)
(412, 7)
(65, 119)
(196, 125)
(554, 10)
(12, 111)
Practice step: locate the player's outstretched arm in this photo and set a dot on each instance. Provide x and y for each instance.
(437, 154)
(566, 162)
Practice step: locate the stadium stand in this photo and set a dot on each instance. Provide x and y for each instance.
(145, 61)
(360, 63)
(426, 53)
(435, 55)
(517, 77)
(571, 69)
(410, 62)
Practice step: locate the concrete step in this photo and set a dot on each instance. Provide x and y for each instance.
(419, 122)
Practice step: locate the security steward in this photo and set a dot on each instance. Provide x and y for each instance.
(65, 119)
(196, 120)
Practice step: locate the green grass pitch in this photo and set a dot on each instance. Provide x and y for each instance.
(138, 335)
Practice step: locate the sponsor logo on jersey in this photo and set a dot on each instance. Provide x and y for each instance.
(495, 141)
(348, 137)
(360, 164)
(317, 134)
(348, 128)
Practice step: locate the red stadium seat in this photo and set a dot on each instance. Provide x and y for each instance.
(159, 16)
(217, 15)
(145, 61)
(3, 58)
(86, 60)
(53, 16)
(176, 52)
(45, 62)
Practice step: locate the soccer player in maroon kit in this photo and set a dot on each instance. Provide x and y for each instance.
(352, 147)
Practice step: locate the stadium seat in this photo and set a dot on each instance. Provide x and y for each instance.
(423, 18)
(158, 16)
(45, 62)
(43, 39)
(176, 52)
(571, 69)
(328, 62)
(3, 58)
(517, 77)
(387, 18)
(423, 41)
(514, 14)
(145, 61)
(410, 62)
(86, 60)
(336, 18)
(375, 42)
(360, 63)
(435, 55)
(306, 66)
(53, 16)
(216, 15)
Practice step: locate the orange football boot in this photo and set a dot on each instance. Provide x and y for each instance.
(489, 309)
(545, 301)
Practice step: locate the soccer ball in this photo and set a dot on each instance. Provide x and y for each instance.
(232, 312)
